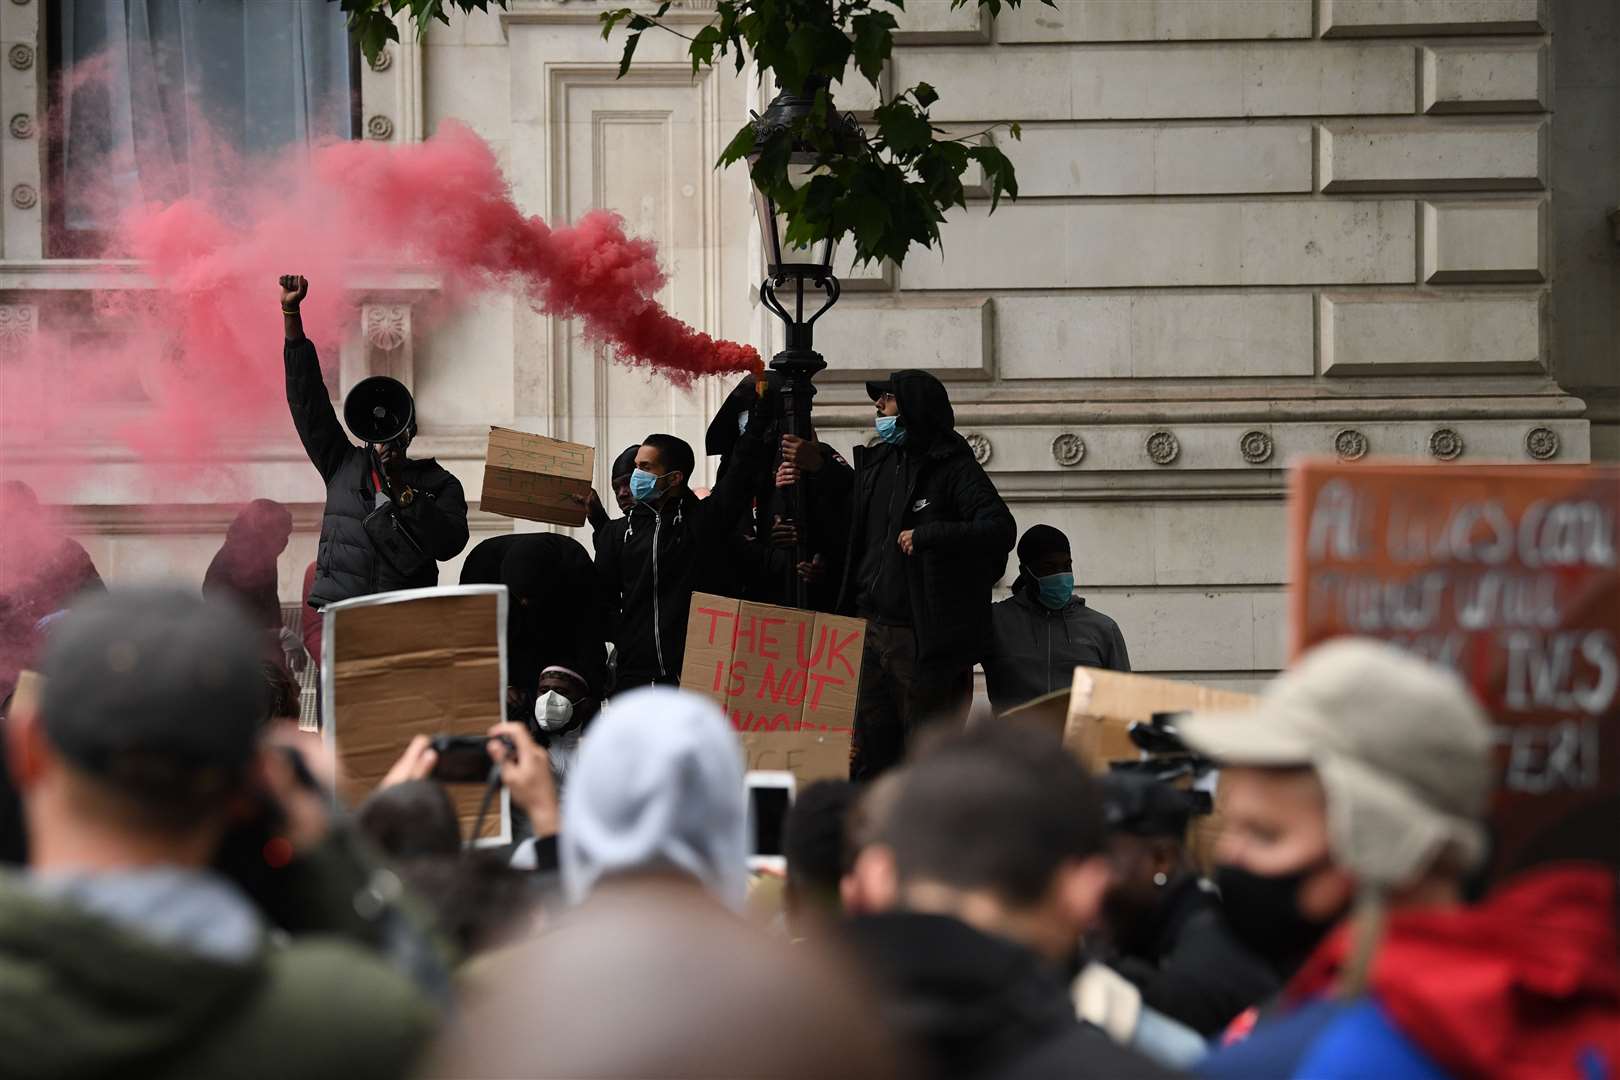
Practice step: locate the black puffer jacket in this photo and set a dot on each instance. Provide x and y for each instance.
(962, 531)
(651, 561)
(431, 529)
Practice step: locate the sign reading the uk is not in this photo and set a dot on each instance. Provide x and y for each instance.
(774, 668)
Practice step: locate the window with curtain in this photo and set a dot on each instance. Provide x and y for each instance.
(153, 98)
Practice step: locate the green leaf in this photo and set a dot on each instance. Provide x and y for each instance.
(925, 94)
(703, 45)
(630, 44)
(739, 147)
(1016, 130)
(903, 129)
(874, 42)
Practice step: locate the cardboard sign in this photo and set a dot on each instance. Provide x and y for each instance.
(419, 661)
(1103, 705)
(536, 478)
(788, 679)
(1509, 575)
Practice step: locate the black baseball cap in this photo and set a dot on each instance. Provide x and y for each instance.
(156, 691)
(876, 388)
(1140, 805)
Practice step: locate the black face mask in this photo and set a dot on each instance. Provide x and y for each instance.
(1263, 913)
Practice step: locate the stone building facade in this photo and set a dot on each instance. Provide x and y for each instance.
(1248, 231)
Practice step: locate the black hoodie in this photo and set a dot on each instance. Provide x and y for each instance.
(962, 531)
(982, 1007)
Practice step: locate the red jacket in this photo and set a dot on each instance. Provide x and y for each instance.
(1523, 986)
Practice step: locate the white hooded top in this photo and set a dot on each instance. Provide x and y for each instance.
(658, 785)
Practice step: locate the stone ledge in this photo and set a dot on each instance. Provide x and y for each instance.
(1415, 18)
(1431, 334)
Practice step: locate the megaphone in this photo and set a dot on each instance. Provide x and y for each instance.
(379, 410)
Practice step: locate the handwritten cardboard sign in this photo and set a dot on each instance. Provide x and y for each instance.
(1509, 575)
(788, 679)
(418, 661)
(536, 478)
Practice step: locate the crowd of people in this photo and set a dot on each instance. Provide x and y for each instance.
(182, 893)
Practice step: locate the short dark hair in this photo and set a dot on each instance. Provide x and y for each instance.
(1000, 807)
(813, 835)
(411, 819)
(674, 454)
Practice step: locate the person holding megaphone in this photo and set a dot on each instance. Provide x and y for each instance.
(390, 519)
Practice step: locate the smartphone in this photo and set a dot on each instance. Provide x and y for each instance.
(463, 759)
(770, 794)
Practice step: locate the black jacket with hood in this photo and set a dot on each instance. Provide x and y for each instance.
(432, 529)
(962, 531)
(650, 561)
(977, 1007)
(756, 569)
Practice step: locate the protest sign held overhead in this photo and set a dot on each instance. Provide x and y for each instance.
(787, 678)
(1508, 575)
(536, 478)
(418, 662)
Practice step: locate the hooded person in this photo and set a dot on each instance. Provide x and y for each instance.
(555, 613)
(43, 571)
(1041, 633)
(928, 537)
(1354, 798)
(657, 792)
(124, 951)
(389, 519)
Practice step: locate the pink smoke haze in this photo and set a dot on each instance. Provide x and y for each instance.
(201, 351)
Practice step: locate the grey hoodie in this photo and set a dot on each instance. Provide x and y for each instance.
(1034, 650)
(657, 786)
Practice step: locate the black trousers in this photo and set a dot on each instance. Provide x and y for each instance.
(897, 700)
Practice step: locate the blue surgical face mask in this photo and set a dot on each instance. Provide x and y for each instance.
(642, 485)
(1056, 589)
(890, 430)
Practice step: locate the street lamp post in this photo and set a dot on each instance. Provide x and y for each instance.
(791, 272)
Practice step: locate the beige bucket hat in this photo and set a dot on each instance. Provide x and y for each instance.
(1402, 749)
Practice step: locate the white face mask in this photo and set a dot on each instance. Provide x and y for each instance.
(553, 711)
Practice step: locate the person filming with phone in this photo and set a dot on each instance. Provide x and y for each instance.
(390, 519)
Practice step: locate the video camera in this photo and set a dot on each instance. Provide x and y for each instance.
(1167, 759)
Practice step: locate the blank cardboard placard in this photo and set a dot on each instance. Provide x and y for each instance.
(421, 661)
(787, 679)
(1507, 574)
(536, 478)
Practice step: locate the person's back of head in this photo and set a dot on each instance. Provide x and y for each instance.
(148, 722)
(657, 790)
(1000, 827)
(651, 980)
(1363, 770)
(813, 842)
(411, 819)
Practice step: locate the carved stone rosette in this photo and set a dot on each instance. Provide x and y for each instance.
(1541, 443)
(24, 197)
(1068, 450)
(22, 126)
(387, 326)
(384, 61)
(1163, 448)
(21, 57)
(17, 323)
(1256, 447)
(980, 446)
(379, 127)
(1445, 444)
(1350, 445)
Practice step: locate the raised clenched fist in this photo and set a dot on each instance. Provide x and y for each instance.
(294, 287)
